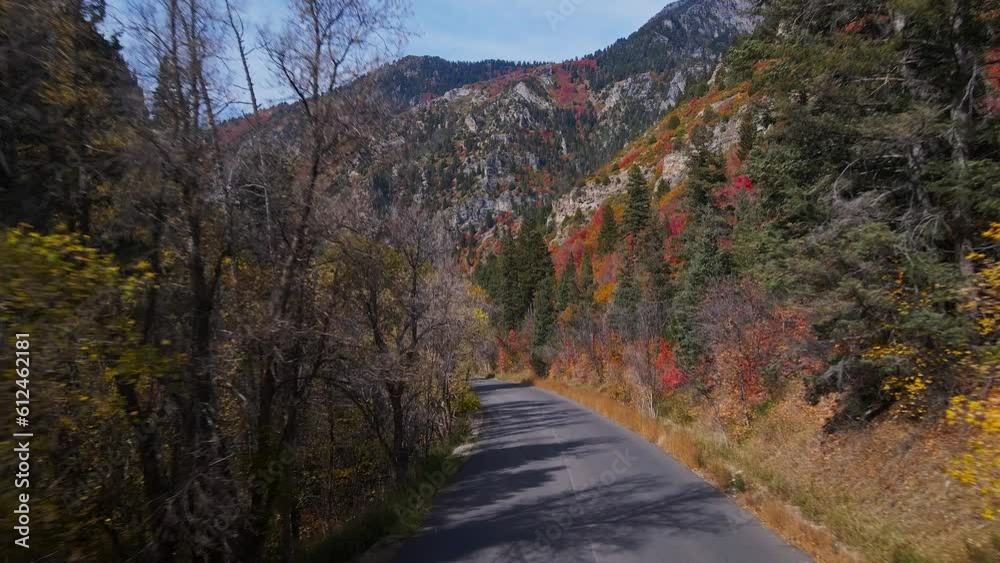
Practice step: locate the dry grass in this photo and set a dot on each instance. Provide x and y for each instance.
(679, 443)
(873, 495)
(682, 447)
(789, 522)
(719, 473)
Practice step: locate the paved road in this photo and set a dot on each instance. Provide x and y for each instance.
(553, 482)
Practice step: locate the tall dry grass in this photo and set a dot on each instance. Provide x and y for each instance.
(844, 498)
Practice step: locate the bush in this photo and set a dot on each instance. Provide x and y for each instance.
(466, 402)
(677, 407)
(739, 483)
(398, 514)
(719, 474)
(539, 365)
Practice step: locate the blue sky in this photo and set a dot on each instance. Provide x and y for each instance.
(532, 30)
(506, 29)
(552, 30)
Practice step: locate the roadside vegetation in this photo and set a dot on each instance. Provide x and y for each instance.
(864, 514)
(235, 352)
(376, 534)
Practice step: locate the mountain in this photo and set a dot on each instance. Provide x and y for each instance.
(485, 141)
(508, 136)
(684, 31)
(399, 86)
(415, 79)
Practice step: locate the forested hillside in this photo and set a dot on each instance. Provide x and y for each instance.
(505, 143)
(763, 233)
(227, 359)
(797, 265)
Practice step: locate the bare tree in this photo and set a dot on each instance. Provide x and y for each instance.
(400, 307)
(325, 45)
(196, 492)
(643, 356)
(235, 22)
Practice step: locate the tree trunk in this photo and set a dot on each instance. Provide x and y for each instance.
(963, 96)
(400, 447)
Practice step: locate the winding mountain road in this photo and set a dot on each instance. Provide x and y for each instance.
(551, 481)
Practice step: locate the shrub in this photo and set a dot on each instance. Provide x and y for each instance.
(466, 402)
(719, 474)
(677, 407)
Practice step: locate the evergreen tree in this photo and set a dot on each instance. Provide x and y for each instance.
(637, 212)
(511, 296)
(568, 292)
(748, 133)
(545, 315)
(707, 171)
(702, 260)
(662, 188)
(489, 276)
(625, 304)
(607, 238)
(525, 265)
(68, 99)
(586, 283)
(658, 270)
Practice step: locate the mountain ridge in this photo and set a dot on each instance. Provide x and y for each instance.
(506, 142)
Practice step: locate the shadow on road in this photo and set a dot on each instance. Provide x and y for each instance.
(513, 502)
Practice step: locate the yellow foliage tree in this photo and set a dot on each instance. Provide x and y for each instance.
(979, 467)
(76, 304)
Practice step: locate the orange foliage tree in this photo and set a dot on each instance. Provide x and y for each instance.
(756, 345)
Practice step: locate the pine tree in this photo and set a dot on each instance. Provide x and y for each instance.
(586, 282)
(637, 212)
(567, 293)
(658, 270)
(748, 134)
(489, 276)
(625, 306)
(662, 188)
(545, 315)
(68, 101)
(509, 298)
(525, 265)
(706, 173)
(607, 238)
(702, 260)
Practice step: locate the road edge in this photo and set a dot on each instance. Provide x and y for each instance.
(783, 518)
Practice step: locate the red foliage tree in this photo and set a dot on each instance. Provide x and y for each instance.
(729, 196)
(756, 344)
(671, 376)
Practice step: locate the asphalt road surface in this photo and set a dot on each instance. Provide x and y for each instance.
(551, 481)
